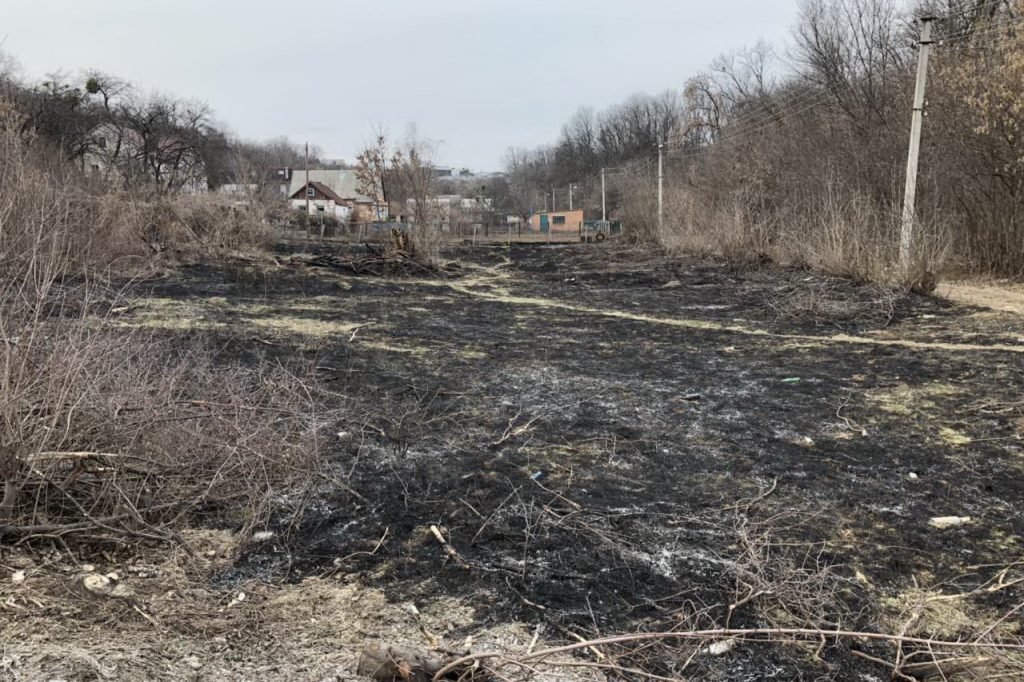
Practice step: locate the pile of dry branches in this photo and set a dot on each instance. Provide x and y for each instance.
(403, 256)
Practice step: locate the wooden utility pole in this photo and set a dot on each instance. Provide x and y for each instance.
(910, 190)
(604, 212)
(661, 176)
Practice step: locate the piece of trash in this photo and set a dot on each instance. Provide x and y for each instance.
(691, 397)
(912, 476)
(18, 577)
(143, 571)
(99, 586)
(411, 608)
(673, 284)
(943, 522)
(791, 380)
(263, 536)
(537, 475)
(721, 647)
(238, 599)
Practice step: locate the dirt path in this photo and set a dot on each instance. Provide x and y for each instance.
(1004, 297)
(505, 297)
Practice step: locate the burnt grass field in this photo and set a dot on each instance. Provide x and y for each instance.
(613, 441)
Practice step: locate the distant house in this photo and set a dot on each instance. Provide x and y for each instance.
(321, 198)
(238, 191)
(282, 177)
(121, 156)
(557, 221)
(476, 203)
(334, 192)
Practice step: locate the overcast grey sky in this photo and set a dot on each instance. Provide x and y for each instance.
(476, 75)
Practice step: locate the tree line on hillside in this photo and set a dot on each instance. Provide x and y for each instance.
(127, 140)
(800, 155)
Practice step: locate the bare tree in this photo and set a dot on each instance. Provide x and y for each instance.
(372, 171)
(413, 171)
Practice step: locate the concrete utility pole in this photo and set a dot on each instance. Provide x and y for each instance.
(661, 176)
(910, 191)
(570, 196)
(553, 209)
(307, 181)
(604, 212)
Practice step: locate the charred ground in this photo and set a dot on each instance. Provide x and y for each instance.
(614, 441)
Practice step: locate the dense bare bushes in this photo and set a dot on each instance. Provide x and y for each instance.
(183, 226)
(838, 231)
(46, 207)
(119, 434)
(105, 431)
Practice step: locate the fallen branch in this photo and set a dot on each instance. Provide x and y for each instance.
(380, 543)
(513, 431)
(448, 548)
(93, 522)
(752, 634)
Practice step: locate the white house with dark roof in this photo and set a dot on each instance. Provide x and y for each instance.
(334, 192)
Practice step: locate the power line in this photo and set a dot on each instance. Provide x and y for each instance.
(782, 105)
(777, 111)
(968, 10)
(794, 109)
(740, 129)
(762, 120)
(993, 28)
(748, 132)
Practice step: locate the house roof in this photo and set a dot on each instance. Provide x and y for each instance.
(343, 183)
(321, 187)
(565, 213)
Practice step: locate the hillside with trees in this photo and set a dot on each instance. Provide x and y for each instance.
(798, 153)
